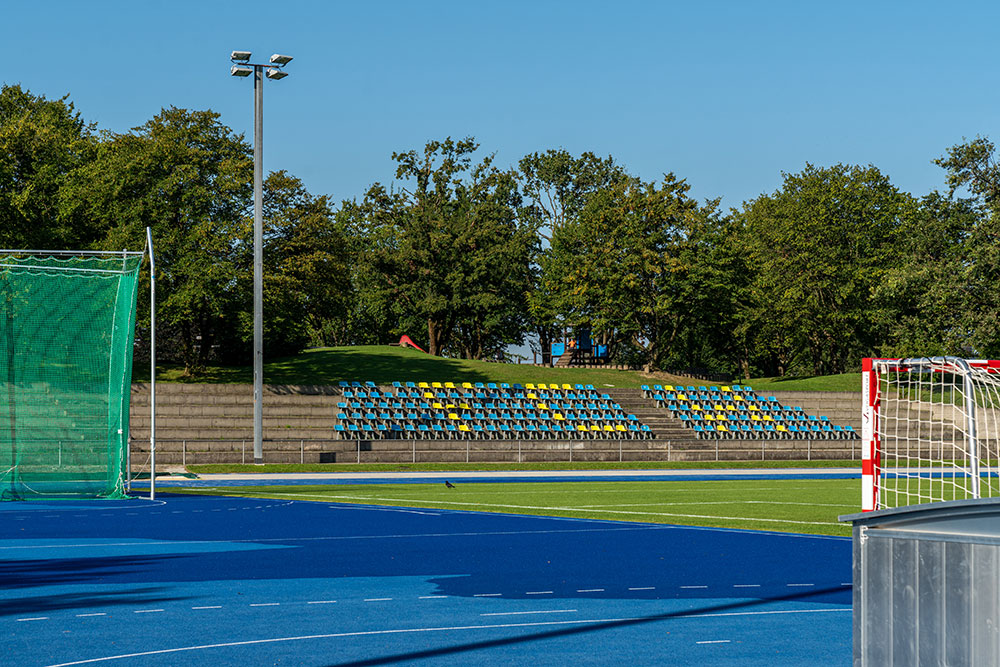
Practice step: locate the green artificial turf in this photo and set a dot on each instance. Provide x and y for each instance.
(792, 505)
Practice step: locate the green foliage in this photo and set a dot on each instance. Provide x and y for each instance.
(41, 143)
(451, 250)
(815, 252)
(187, 176)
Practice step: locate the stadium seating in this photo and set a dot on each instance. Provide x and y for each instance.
(482, 410)
(737, 412)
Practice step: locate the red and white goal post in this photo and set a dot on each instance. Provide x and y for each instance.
(929, 430)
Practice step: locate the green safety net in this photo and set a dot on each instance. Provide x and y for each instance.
(66, 330)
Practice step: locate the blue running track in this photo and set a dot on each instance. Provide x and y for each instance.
(189, 580)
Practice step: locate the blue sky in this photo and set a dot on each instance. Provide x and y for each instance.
(724, 94)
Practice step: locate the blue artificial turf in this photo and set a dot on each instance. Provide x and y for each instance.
(188, 580)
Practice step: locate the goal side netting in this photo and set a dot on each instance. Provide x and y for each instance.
(929, 430)
(67, 323)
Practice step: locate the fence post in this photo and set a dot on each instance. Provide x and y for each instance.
(809, 450)
(466, 451)
(619, 451)
(716, 449)
(570, 451)
(668, 450)
(359, 450)
(518, 451)
(414, 443)
(762, 449)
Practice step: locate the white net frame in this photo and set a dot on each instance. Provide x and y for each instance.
(934, 431)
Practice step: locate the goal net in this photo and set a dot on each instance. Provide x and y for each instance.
(929, 428)
(66, 330)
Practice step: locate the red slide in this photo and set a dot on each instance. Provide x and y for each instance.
(405, 341)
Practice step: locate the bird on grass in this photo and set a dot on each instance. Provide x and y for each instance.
(449, 484)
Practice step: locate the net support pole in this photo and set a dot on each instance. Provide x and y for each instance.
(869, 436)
(970, 427)
(152, 365)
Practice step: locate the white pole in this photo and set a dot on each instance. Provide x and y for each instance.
(152, 365)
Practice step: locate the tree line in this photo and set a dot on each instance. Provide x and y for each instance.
(468, 257)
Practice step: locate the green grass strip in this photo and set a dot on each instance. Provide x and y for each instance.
(796, 506)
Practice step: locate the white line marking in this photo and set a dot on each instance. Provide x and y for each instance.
(377, 599)
(321, 602)
(265, 604)
(487, 595)
(400, 631)
(147, 611)
(746, 585)
(714, 641)
(520, 613)
(590, 590)
(847, 584)
(36, 618)
(538, 593)
(431, 597)
(382, 509)
(215, 606)
(694, 586)
(643, 588)
(801, 584)
(88, 615)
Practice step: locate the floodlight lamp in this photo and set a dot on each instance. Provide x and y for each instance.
(242, 56)
(240, 70)
(276, 74)
(278, 59)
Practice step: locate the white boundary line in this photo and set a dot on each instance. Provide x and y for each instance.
(456, 628)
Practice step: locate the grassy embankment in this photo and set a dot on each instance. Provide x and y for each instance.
(385, 364)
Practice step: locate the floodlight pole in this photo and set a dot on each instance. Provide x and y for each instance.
(258, 265)
(242, 68)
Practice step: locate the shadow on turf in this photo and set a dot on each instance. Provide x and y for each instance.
(49, 603)
(41, 572)
(583, 629)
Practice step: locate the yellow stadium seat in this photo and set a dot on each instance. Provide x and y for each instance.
(532, 396)
(567, 387)
(428, 394)
(452, 415)
(558, 416)
(423, 385)
(542, 406)
(449, 385)
(437, 406)
(710, 418)
(436, 385)
(621, 428)
(529, 386)
(608, 428)
(463, 427)
(726, 390)
(581, 427)
(464, 406)
(467, 385)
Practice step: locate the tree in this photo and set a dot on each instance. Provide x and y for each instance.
(187, 176)
(306, 267)
(41, 142)
(557, 186)
(972, 165)
(451, 249)
(624, 264)
(815, 252)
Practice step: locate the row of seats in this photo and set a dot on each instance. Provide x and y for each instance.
(738, 412)
(477, 410)
(527, 430)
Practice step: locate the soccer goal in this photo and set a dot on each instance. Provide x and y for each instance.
(67, 321)
(929, 428)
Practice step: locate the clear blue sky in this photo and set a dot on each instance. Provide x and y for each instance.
(725, 94)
